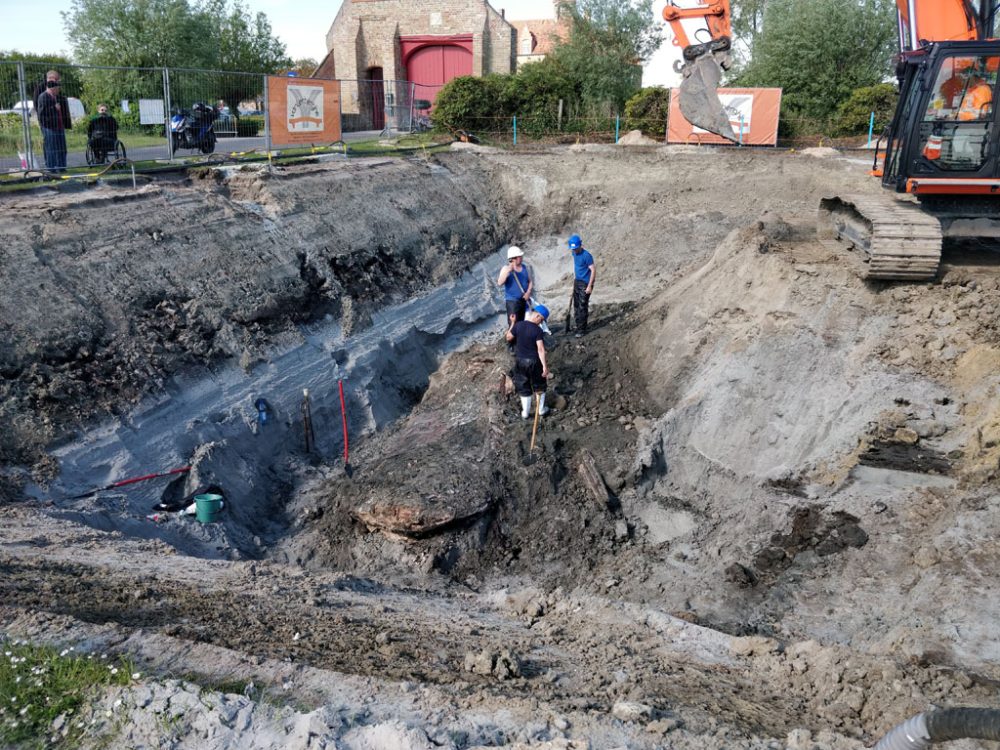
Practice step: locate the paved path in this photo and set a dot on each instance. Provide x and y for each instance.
(144, 153)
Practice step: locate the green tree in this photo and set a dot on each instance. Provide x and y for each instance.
(244, 43)
(747, 22)
(35, 68)
(648, 111)
(214, 34)
(533, 95)
(854, 115)
(607, 44)
(819, 51)
(139, 33)
(304, 66)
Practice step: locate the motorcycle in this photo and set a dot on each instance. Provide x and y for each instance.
(194, 128)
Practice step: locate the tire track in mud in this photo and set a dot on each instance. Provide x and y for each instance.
(336, 626)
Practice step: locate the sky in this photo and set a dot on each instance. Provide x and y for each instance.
(36, 26)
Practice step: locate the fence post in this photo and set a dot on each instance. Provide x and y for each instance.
(617, 124)
(267, 123)
(166, 102)
(29, 156)
(560, 113)
(413, 93)
(515, 130)
(741, 130)
(871, 129)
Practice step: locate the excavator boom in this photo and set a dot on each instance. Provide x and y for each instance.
(703, 30)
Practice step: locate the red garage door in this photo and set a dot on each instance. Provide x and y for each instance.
(436, 64)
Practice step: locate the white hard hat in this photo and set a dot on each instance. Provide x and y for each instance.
(514, 252)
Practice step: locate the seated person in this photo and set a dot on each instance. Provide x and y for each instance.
(102, 132)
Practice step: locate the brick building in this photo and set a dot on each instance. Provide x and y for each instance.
(427, 42)
(536, 38)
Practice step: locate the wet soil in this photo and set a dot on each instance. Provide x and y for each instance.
(761, 513)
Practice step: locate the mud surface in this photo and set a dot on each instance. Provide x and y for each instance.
(760, 515)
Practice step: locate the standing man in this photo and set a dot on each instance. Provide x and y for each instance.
(583, 283)
(516, 282)
(530, 367)
(52, 110)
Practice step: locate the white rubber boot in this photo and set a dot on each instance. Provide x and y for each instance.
(542, 411)
(525, 407)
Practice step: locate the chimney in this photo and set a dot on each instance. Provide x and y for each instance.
(503, 13)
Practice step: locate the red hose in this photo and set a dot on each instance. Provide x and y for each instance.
(343, 414)
(150, 476)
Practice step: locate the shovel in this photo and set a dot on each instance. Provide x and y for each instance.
(531, 457)
(569, 311)
(343, 415)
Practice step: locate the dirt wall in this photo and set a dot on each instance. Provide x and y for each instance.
(107, 294)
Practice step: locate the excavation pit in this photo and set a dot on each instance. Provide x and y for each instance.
(762, 503)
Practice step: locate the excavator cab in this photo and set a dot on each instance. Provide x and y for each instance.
(944, 137)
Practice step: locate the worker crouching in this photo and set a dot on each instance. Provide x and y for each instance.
(530, 368)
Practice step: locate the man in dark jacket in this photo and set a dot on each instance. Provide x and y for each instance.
(52, 110)
(531, 367)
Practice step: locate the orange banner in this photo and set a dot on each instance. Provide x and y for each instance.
(756, 111)
(303, 111)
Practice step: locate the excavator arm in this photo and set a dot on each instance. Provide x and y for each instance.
(703, 31)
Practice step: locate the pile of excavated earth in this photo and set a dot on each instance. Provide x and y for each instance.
(762, 515)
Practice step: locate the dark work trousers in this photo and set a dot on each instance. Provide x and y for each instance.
(516, 307)
(528, 377)
(54, 148)
(581, 304)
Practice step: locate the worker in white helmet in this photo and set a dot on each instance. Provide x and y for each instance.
(515, 278)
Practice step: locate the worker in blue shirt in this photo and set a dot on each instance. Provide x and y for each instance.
(584, 274)
(515, 278)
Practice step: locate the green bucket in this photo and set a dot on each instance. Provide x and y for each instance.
(207, 508)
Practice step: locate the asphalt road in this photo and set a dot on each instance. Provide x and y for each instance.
(224, 146)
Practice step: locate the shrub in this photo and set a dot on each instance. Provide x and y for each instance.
(128, 122)
(854, 114)
(647, 111)
(470, 103)
(249, 126)
(533, 95)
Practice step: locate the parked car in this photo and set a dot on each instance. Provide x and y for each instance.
(76, 109)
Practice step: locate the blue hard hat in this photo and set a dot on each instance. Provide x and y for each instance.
(542, 310)
(575, 242)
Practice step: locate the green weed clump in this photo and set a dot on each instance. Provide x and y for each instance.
(39, 684)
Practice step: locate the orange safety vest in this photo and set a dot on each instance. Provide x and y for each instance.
(976, 102)
(932, 149)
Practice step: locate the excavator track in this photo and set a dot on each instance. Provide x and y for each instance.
(898, 240)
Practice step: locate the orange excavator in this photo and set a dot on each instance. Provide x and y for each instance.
(941, 152)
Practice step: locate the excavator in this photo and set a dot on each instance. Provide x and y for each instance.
(940, 153)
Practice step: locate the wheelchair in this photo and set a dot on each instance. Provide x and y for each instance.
(101, 146)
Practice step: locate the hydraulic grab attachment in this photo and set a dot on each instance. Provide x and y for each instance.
(704, 61)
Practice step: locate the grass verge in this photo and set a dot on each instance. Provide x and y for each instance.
(40, 684)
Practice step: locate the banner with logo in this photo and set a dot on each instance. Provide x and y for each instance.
(752, 112)
(303, 111)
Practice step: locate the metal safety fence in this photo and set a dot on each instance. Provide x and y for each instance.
(98, 114)
(386, 106)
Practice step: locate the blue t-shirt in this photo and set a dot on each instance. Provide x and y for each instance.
(526, 337)
(582, 261)
(510, 287)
